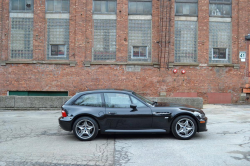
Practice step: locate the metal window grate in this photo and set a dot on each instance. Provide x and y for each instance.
(220, 37)
(57, 34)
(104, 40)
(185, 41)
(21, 46)
(139, 35)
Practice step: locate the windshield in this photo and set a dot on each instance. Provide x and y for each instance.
(144, 99)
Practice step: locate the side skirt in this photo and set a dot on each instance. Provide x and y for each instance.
(136, 131)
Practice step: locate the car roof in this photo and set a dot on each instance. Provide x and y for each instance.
(106, 90)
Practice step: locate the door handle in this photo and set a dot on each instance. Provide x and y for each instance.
(112, 113)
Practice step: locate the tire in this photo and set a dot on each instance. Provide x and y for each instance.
(184, 127)
(85, 128)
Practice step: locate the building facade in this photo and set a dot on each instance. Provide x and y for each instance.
(176, 48)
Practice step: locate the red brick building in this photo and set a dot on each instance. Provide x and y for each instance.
(75, 45)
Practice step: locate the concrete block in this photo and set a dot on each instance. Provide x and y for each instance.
(7, 101)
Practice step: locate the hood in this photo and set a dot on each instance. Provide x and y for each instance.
(180, 106)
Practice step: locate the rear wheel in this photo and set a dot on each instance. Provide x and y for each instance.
(184, 127)
(85, 128)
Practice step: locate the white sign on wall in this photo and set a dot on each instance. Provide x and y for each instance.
(242, 56)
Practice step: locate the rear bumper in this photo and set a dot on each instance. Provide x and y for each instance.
(202, 126)
(65, 123)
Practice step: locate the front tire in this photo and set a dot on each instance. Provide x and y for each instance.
(184, 127)
(85, 128)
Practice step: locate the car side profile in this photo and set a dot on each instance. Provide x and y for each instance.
(121, 111)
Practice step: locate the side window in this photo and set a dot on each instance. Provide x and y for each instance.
(137, 102)
(117, 100)
(92, 100)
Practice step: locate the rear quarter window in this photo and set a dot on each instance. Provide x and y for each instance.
(92, 100)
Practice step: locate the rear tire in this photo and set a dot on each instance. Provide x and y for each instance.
(184, 127)
(85, 128)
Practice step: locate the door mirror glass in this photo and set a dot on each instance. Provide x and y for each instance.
(133, 106)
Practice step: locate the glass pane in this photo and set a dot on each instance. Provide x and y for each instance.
(22, 4)
(50, 5)
(147, 8)
(132, 7)
(139, 7)
(193, 9)
(143, 52)
(29, 5)
(179, 8)
(220, 10)
(58, 5)
(112, 6)
(54, 50)
(14, 5)
(136, 52)
(97, 6)
(61, 50)
(219, 53)
(65, 5)
(117, 100)
(137, 102)
(103, 6)
(93, 100)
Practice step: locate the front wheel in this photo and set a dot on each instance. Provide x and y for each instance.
(184, 127)
(85, 128)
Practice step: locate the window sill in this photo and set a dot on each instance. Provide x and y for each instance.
(156, 65)
(236, 66)
(183, 64)
(71, 63)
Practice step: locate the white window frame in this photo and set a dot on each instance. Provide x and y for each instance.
(65, 50)
(219, 59)
(132, 51)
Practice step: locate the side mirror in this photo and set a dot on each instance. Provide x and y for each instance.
(133, 106)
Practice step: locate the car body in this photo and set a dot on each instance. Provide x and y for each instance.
(123, 111)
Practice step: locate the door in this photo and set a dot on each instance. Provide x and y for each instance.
(120, 116)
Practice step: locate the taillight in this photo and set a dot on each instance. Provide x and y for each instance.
(64, 114)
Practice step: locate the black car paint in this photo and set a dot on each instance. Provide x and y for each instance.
(156, 118)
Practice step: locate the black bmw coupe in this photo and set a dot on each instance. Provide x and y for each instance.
(121, 111)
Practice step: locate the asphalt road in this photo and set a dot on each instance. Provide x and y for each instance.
(34, 138)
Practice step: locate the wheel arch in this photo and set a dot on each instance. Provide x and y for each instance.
(84, 115)
(187, 114)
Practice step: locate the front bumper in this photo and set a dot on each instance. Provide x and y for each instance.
(65, 123)
(202, 126)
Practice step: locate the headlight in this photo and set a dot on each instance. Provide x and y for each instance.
(199, 115)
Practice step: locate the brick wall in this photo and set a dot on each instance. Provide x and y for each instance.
(42, 75)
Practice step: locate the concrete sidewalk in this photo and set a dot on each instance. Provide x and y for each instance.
(34, 138)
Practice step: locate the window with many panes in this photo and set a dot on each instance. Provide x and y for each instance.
(140, 7)
(58, 39)
(104, 7)
(21, 5)
(57, 6)
(21, 46)
(220, 8)
(186, 7)
(220, 42)
(186, 41)
(104, 47)
(139, 40)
